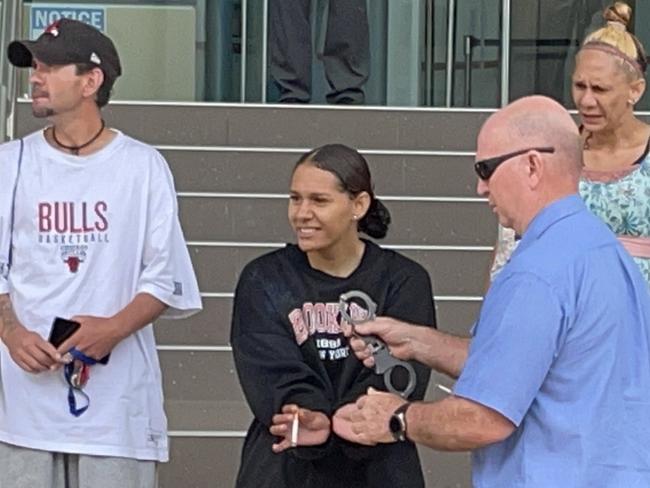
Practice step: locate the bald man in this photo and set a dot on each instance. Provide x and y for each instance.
(553, 386)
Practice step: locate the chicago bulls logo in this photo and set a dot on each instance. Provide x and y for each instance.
(53, 28)
(73, 263)
(73, 256)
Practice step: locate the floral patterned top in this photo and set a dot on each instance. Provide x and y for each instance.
(620, 198)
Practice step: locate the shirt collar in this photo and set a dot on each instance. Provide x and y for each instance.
(549, 215)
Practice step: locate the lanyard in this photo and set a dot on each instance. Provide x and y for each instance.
(76, 374)
(4, 267)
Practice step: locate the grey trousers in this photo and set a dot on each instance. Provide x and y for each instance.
(29, 468)
(346, 54)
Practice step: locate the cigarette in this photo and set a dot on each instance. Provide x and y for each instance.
(294, 430)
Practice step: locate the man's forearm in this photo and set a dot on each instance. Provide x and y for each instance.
(8, 319)
(455, 424)
(97, 336)
(142, 310)
(441, 351)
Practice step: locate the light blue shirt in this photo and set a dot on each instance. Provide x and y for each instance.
(562, 349)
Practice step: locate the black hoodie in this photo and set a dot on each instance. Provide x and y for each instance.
(289, 348)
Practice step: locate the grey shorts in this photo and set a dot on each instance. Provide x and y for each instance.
(29, 468)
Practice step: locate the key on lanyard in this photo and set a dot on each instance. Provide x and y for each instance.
(76, 375)
(80, 374)
(384, 362)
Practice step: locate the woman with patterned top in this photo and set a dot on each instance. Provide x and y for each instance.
(609, 79)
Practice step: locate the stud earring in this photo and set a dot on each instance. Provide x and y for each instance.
(355, 217)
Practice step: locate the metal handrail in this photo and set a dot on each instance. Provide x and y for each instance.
(451, 44)
(428, 53)
(468, 46)
(265, 46)
(244, 50)
(451, 49)
(505, 53)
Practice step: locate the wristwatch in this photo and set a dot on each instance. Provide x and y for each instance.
(397, 423)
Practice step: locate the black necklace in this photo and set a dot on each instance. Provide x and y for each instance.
(75, 149)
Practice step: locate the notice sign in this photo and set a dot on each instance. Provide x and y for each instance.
(44, 14)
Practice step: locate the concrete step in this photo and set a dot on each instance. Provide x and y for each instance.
(453, 272)
(287, 126)
(264, 220)
(268, 170)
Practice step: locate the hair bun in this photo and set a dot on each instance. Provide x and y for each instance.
(620, 40)
(619, 13)
(376, 221)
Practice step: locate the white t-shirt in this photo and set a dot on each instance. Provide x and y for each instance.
(90, 232)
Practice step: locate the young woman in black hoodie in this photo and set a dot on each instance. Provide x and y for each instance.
(291, 355)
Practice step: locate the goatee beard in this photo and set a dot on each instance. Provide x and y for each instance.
(42, 113)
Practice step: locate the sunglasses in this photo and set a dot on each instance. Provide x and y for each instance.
(485, 168)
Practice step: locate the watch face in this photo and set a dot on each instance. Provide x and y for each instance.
(395, 425)
(397, 422)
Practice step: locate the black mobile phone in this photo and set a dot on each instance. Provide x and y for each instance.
(62, 329)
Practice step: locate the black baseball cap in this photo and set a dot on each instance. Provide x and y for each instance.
(68, 41)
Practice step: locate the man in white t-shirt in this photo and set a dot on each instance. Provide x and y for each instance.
(89, 232)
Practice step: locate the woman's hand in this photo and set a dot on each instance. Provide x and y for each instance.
(313, 427)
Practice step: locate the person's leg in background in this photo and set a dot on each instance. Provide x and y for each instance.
(346, 54)
(290, 49)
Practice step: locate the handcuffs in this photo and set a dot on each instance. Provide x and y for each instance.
(384, 361)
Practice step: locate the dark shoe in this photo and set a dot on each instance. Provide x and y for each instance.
(348, 101)
(352, 96)
(292, 100)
